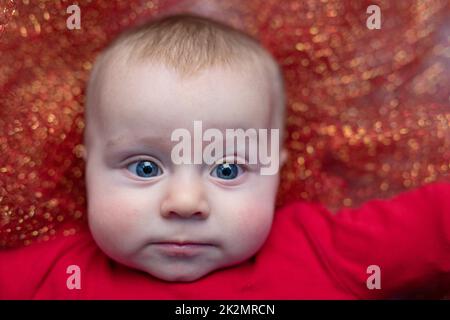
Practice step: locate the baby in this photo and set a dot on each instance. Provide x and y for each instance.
(179, 222)
(165, 229)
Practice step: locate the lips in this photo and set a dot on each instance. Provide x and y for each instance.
(181, 248)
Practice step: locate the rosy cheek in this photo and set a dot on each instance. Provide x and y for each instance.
(255, 221)
(114, 217)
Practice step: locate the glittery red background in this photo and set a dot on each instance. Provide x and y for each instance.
(368, 110)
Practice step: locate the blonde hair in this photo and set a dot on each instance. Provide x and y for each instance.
(189, 44)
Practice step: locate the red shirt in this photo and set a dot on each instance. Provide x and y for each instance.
(309, 254)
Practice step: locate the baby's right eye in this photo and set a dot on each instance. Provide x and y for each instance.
(145, 168)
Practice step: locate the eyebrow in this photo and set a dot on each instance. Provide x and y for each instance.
(114, 142)
(148, 140)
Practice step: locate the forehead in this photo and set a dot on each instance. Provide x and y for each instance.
(149, 99)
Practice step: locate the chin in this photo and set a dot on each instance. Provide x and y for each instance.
(187, 277)
(177, 276)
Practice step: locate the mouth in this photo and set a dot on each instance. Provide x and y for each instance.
(181, 248)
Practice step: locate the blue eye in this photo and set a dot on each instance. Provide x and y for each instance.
(145, 168)
(226, 171)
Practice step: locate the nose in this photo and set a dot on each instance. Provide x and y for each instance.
(185, 198)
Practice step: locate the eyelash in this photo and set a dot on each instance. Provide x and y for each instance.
(134, 160)
(240, 171)
(243, 166)
(159, 168)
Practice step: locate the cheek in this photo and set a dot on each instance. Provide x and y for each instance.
(257, 205)
(114, 213)
(254, 222)
(249, 219)
(247, 231)
(247, 227)
(111, 214)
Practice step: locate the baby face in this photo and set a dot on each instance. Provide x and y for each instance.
(175, 222)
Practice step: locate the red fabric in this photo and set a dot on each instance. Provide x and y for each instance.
(310, 254)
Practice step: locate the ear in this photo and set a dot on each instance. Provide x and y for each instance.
(283, 156)
(84, 153)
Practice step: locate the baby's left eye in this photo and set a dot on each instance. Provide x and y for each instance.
(145, 168)
(227, 171)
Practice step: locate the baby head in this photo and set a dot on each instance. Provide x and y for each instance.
(179, 222)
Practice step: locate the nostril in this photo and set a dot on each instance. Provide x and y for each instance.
(199, 214)
(186, 215)
(174, 208)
